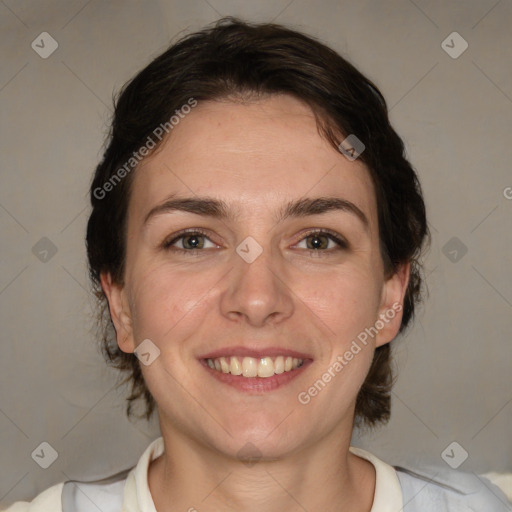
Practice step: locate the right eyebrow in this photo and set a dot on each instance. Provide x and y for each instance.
(200, 206)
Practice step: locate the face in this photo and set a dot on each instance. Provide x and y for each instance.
(279, 261)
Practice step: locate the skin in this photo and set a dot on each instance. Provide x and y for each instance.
(256, 156)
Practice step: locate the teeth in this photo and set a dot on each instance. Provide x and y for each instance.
(266, 367)
(224, 366)
(279, 365)
(234, 366)
(251, 367)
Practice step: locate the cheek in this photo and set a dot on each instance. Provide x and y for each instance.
(346, 300)
(162, 297)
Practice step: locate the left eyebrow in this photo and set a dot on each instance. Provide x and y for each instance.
(218, 209)
(315, 206)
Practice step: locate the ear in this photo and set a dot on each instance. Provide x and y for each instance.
(119, 312)
(392, 305)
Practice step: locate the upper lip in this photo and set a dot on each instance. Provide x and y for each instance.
(257, 353)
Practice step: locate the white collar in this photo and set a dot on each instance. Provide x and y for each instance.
(388, 495)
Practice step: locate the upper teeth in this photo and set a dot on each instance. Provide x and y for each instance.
(252, 367)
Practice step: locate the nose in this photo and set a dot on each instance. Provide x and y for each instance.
(257, 290)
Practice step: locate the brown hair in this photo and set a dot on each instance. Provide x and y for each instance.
(235, 59)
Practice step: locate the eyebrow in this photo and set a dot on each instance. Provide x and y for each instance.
(219, 209)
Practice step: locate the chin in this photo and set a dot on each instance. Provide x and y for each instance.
(258, 443)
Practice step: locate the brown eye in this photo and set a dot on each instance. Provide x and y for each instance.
(320, 241)
(193, 241)
(188, 242)
(317, 241)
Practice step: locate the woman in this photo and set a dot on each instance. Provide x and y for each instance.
(256, 232)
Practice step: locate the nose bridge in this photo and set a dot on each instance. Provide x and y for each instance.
(255, 290)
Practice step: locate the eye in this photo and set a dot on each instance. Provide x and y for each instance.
(319, 240)
(190, 241)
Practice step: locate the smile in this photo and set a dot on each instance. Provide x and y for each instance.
(263, 367)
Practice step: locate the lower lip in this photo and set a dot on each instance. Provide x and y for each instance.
(257, 385)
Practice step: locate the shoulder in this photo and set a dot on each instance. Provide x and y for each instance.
(105, 495)
(440, 489)
(77, 496)
(50, 499)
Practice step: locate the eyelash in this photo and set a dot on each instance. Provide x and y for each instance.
(167, 245)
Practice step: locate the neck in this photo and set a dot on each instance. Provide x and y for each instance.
(324, 476)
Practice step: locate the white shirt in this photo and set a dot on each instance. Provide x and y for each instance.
(397, 489)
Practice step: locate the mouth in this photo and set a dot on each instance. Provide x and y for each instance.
(255, 371)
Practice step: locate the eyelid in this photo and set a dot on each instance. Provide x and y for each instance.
(336, 237)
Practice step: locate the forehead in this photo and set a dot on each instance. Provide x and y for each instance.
(253, 156)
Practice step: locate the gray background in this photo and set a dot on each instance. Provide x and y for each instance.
(456, 117)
